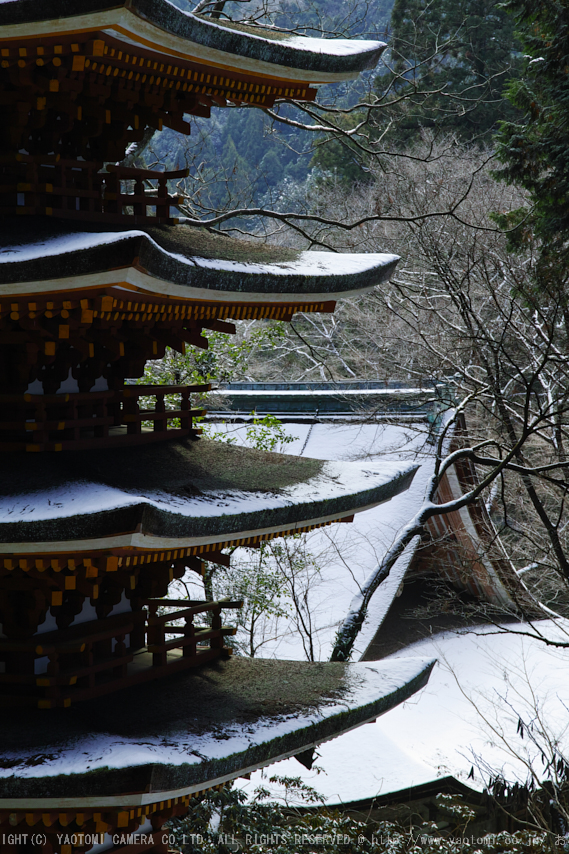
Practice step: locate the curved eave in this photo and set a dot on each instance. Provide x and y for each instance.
(79, 260)
(161, 26)
(198, 730)
(179, 494)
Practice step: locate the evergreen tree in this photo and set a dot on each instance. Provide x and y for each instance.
(448, 65)
(534, 151)
(454, 58)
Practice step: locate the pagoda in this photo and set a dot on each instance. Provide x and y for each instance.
(120, 705)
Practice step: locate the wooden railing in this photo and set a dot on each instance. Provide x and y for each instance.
(102, 419)
(193, 641)
(102, 656)
(78, 189)
(117, 196)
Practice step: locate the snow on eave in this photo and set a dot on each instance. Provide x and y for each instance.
(63, 516)
(309, 263)
(311, 276)
(163, 26)
(333, 48)
(81, 498)
(224, 750)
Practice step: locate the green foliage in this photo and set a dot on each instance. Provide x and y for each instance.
(454, 805)
(533, 151)
(339, 161)
(266, 827)
(448, 64)
(268, 434)
(254, 578)
(460, 53)
(224, 822)
(260, 577)
(264, 433)
(226, 358)
(269, 579)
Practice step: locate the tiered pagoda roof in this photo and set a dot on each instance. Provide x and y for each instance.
(107, 497)
(167, 495)
(80, 81)
(159, 25)
(92, 306)
(151, 752)
(51, 256)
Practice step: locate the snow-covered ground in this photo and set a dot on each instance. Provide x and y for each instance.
(483, 685)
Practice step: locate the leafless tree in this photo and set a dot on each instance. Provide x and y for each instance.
(466, 313)
(362, 119)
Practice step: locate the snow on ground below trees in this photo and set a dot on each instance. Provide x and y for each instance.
(482, 686)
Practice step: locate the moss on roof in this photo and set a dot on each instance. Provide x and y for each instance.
(250, 29)
(200, 242)
(226, 703)
(180, 239)
(181, 467)
(167, 489)
(172, 254)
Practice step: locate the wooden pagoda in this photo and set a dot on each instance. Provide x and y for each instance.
(105, 496)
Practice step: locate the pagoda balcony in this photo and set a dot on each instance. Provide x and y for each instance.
(81, 190)
(102, 656)
(102, 419)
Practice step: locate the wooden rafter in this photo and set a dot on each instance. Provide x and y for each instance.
(91, 95)
(110, 560)
(109, 332)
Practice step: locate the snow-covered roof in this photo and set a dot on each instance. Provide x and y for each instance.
(159, 24)
(466, 722)
(340, 398)
(334, 593)
(43, 255)
(179, 494)
(201, 729)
